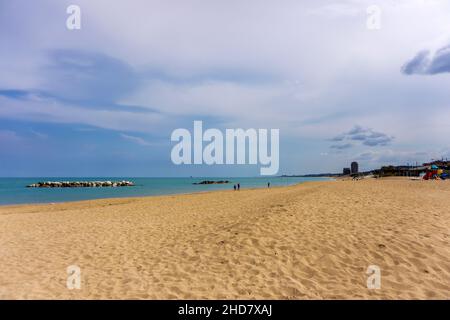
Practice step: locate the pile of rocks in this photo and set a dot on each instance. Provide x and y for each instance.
(212, 182)
(80, 184)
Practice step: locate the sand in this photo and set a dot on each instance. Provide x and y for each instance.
(310, 241)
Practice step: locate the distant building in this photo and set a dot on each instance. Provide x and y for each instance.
(354, 167)
(407, 171)
(443, 164)
(346, 171)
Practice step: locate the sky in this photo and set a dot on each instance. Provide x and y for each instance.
(103, 100)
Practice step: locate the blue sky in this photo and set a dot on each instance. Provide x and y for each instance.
(103, 100)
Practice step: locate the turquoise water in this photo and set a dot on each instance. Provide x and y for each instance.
(14, 191)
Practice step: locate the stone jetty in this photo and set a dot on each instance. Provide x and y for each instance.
(80, 184)
(212, 182)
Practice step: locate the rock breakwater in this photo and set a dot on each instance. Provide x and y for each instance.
(80, 184)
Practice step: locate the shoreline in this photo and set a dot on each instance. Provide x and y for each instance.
(330, 179)
(160, 195)
(3, 206)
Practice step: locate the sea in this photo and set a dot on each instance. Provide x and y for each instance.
(14, 190)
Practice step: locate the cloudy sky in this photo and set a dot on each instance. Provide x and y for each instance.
(103, 100)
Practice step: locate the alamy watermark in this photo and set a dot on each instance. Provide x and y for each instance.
(73, 21)
(73, 277)
(228, 148)
(374, 277)
(373, 21)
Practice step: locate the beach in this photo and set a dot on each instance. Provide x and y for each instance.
(309, 241)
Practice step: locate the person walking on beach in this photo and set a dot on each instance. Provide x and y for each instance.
(239, 186)
(268, 184)
(234, 187)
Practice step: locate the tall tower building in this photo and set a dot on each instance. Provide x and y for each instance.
(354, 167)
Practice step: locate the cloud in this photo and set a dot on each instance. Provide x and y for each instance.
(356, 130)
(427, 62)
(377, 158)
(50, 110)
(12, 142)
(341, 146)
(39, 95)
(338, 138)
(38, 134)
(137, 140)
(86, 79)
(79, 75)
(9, 136)
(377, 141)
(366, 136)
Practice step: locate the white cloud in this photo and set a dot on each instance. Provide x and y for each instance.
(137, 140)
(38, 134)
(54, 112)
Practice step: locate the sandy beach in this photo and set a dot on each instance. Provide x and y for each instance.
(310, 241)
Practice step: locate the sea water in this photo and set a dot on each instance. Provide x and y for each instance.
(14, 190)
